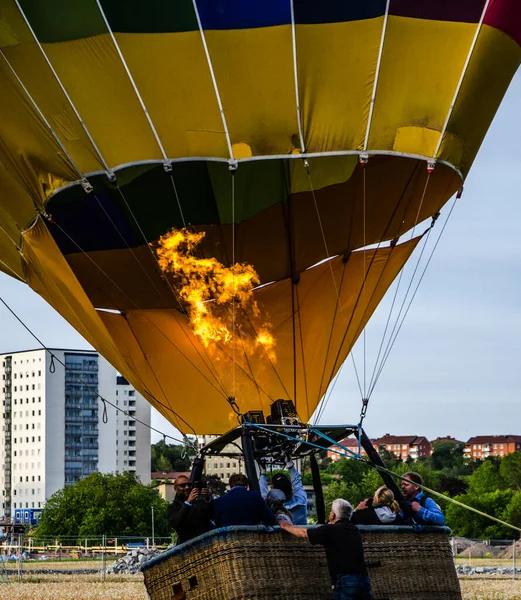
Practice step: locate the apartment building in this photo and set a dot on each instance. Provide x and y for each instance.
(404, 446)
(482, 446)
(222, 466)
(55, 429)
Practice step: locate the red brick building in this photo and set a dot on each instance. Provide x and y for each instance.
(405, 446)
(401, 446)
(482, 446)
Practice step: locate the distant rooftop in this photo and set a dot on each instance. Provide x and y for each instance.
(495, 439)
(398, 439)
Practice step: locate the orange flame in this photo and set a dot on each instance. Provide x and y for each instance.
(212, 293)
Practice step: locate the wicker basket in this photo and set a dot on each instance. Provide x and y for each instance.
(259, 563)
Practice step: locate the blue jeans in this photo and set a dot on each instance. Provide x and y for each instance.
(352, 587)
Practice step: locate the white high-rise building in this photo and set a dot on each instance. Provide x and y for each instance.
(54, 428)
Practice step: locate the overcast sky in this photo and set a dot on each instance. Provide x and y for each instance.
(455, 367)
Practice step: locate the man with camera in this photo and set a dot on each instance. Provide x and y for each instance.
(190, 512)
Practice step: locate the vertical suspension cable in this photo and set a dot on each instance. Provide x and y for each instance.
(295, 75)
(234, 383)
(364, 275)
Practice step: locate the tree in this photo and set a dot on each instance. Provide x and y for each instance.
(114, 504)
(169, 457)
(510, 470)
(469, 524)
(338, 489)
(453, 486)
(487, 478)
(447, 455)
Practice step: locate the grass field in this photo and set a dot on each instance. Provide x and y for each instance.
(53, 585)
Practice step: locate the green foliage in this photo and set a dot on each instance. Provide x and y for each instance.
(338, 489)
(168, 458)
(447, 456)
(113, 504)
(469, 524)
(325, 478)
(487, 477)
(510, 470)
(512, 512)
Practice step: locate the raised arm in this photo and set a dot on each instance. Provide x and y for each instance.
(263, 484)
(299, 493)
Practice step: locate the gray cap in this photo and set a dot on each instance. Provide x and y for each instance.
(275, 495)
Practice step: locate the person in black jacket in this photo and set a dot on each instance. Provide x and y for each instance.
(381, 509)
(190, 512)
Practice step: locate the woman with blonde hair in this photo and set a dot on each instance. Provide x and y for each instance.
(381, 509)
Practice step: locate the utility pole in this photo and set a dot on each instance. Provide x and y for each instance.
(153, 542)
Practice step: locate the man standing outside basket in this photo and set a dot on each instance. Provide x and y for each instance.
(344, 551)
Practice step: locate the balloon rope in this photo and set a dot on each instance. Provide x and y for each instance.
(364, 281)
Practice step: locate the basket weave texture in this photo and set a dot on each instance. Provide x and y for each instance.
(259, 563)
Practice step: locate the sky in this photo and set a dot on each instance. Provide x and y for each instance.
(455, 366)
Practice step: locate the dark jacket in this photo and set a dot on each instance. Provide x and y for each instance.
(376, 514)
(240, 506)
(189, 521)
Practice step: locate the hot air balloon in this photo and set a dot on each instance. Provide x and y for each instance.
(217, 194)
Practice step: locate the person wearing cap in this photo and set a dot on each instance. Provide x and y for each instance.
(190, 511)
(344, 551)
(275, 501)
(419, 508)
(296, 497)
